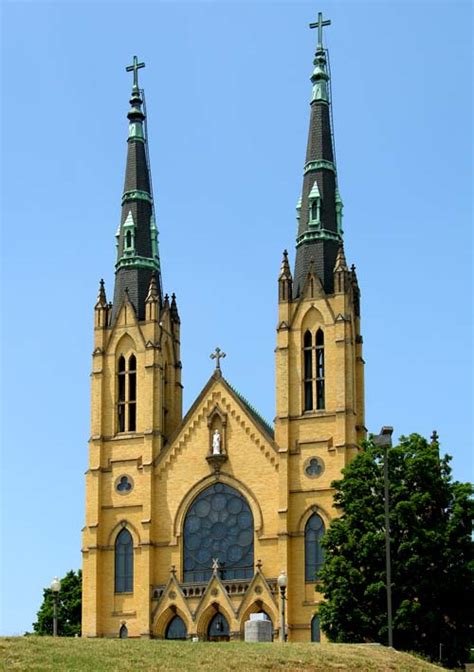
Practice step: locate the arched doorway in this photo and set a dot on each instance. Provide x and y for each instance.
(218, 629)
(315, 629)
(176, 629)
(123, 632)
(218, 525)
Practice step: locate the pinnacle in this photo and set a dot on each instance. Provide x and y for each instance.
(101, 297)
(174, 308)
(152, 295)
(285, 272)
(341, 264)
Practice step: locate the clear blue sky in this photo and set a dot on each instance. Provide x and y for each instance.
(227, 87)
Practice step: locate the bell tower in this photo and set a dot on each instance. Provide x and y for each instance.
(319, 366)
(136, 400)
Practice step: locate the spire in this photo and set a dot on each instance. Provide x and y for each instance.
(320, 207)
(137, 245)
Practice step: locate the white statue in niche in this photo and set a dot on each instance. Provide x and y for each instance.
(216, 443)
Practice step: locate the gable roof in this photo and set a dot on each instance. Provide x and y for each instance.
(262, 424)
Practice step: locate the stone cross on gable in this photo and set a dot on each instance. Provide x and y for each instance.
(218, 355)
(135, 68)
(319, 25)
(215, 564)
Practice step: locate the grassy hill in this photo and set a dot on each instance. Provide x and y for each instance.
(36, 654)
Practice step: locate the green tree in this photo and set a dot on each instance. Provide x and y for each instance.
(431, 549)
(69, 608)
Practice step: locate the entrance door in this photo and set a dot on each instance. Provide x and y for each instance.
(315, 629)
(218, 630)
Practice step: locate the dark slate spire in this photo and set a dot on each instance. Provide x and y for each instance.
(319, 210)
(137, 244)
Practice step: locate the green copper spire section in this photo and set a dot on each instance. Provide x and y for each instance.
(320, 76)
(137, 240)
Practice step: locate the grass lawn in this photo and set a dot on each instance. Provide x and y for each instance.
(99, 655)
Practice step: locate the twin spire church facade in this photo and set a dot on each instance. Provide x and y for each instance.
(190, 520)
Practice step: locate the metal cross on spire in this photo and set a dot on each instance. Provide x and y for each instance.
(218, 355)
(319, 25)
(135, 68)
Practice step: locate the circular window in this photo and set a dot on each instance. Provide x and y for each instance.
(314, 467)
(124, 485)
(218, 526)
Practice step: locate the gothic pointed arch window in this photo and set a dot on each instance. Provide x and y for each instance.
(124, 562)
(313, 371)
(313, 550)
(127, 394)
(218, 526)
(320, 369)
(308, 370)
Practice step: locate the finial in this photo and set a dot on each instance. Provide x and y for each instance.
(319, 24)
(173, 570)
(215, 565)
(166, 302)
(218, 355)
(259, 565)
(101, 298)
(135, 67)
(434, 436)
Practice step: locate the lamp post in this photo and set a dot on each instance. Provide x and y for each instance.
(55, 588)
(384, 440)
(282, 584)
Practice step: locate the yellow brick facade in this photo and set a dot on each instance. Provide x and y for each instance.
(165, 460)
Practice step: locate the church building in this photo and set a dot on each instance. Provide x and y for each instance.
(190, 521)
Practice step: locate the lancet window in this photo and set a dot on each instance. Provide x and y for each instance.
(313, 371)
(313, 550)
(124, 562)
(127, 394)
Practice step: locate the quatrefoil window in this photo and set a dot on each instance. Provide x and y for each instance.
(314, 467)
(124, 485)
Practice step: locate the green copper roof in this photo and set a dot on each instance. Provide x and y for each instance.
(253, 411)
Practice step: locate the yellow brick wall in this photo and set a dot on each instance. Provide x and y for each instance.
(166, 461)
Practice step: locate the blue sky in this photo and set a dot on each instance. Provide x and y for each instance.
(227, 89)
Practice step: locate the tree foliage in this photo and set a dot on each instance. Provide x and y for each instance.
(69, 608)
(431, 549)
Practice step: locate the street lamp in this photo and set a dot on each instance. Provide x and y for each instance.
(55, 588)
(384, 440)
(282, 584)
